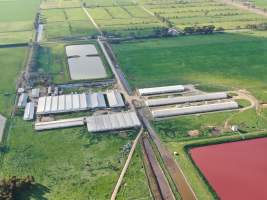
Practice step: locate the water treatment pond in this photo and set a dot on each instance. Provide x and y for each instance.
(236, 170)
(84, 63)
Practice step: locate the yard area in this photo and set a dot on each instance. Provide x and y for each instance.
(211, 61)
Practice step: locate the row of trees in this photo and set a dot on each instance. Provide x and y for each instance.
(202, 29)
(10, 188)
(261, 27)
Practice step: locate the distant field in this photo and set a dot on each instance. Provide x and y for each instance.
(215, 60)
(11, 64)
(60, 23)
(205, 12)
(68, 164)
(16, 20)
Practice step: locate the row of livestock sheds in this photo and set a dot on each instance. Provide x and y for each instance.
(194, 109)
(186, 99)
(78, 102)
(62, 104)
(112, 122)
(161, 90)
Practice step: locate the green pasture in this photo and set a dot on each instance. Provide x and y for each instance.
(135, 185)
(11, 62)
(67, 164)
(230, 61)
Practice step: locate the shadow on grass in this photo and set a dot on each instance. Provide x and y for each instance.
(37, 192)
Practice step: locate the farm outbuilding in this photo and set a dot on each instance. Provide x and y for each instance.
(29, 112)
(65, 123)
(194, 109)
(96, 100)
(186, 99)
(115, 99)
(161, 90)
(2, 126)
(111, 122)
(35, 93)
(23, 99)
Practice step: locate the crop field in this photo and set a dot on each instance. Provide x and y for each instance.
(60, 23)
(67, 164)
(125, 20)
(11, 63)
(193, 59)
(16, 20)
(202, 13)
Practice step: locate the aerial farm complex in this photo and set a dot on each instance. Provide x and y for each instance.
(142, 99)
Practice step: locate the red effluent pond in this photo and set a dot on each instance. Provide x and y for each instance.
(236, 170)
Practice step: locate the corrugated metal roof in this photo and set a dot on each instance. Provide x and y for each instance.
(194, 109)
(110, 122)
(115, 99)
(185, 99)
(41, 105)
(59, 124)
(23, 98)
(35, 92)
(76, 102)
(160, 90)
(29, 111)
(96, 100)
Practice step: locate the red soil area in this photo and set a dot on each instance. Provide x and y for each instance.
(236, 170)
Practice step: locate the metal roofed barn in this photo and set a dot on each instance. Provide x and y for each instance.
(194, 109)
(29, 111)
(65, 123)
(81, 50)
(70, 103)
(36, 92)
(161, 90)
(112, 122)
(115, 99)
(185, 99)
(96, 100)
(23, 98)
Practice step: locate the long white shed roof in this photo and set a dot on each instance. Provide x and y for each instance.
(23, 98)
(160, 90)
(111, 122)
(194, 109)
(96, 100)
(186, 99)
(29, 111)
(65, 123)
(115, 99)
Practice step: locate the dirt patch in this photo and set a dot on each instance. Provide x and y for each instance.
(193, 133)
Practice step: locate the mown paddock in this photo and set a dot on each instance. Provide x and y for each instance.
(167, 62)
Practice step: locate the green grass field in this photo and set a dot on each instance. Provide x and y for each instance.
(16, 20)
(68, 164)
(214, 60)
(11, 63)
(135, 185)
